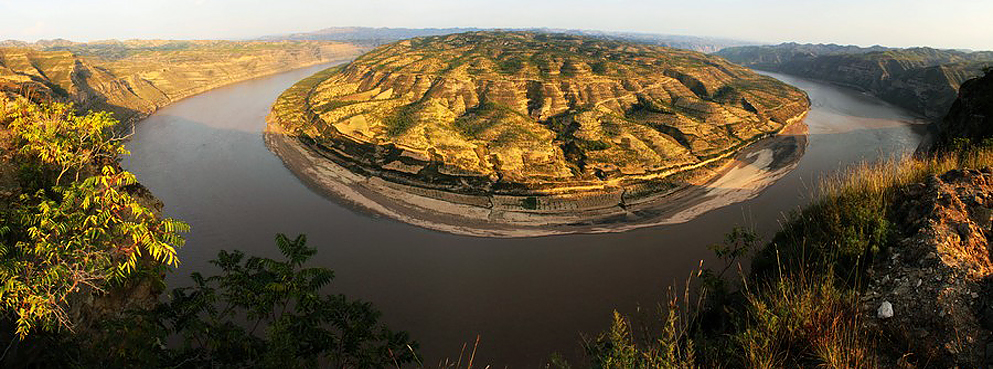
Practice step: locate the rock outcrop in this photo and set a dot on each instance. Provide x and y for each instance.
(922, 80)
(532, 116)
(938, 278)
(134, 78)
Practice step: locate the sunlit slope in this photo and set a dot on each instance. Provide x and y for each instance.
(479, 109)
(134, 78)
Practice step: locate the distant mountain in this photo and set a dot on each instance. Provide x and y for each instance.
(771, 56)
(367, 35)
(377, 36)
(921, 79)
(695, 43)
(40, 44)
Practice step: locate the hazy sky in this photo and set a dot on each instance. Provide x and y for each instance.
(938, 23)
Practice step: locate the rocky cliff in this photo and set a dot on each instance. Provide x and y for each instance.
(922, 80)
(135, 78)
(970, 119)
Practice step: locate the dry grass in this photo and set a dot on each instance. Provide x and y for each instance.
(849, 220)
(804, 321)
(882, 178)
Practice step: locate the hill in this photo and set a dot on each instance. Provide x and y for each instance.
(546, 123)
(134, 78)
(922, 80)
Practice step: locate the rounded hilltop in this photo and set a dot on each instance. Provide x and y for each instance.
(533, 114)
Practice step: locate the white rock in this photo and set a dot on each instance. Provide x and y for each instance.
(885, 310)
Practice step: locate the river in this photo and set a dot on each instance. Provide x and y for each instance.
(525, 298)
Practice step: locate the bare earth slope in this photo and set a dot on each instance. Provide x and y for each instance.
(135, 78)
(531, 122)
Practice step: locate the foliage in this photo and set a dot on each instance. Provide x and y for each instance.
(510, 65)
(614, 348)
(261, 312)
(402, 120)
(618, 348)
(81, 228)
(57, 136)
(479, 119)
(737, 244)
(668, 344)
(60, 240)
(600, 68)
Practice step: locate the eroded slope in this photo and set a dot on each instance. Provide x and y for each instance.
(135, 78)
(522, 112)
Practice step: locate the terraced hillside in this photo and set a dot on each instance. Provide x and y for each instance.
(922, 80)
(529, 113)
(134, 78)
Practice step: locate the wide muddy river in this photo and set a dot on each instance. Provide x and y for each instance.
(525, 298)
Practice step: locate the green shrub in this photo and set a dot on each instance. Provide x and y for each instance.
(67, 236)
(258, 312)
(530, 203)
(400, 121)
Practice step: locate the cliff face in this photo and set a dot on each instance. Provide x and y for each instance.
(513, 110)
(136, 78)
(922, 80)
(971, 116)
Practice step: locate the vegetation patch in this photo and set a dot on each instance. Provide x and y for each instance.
(402, 120)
